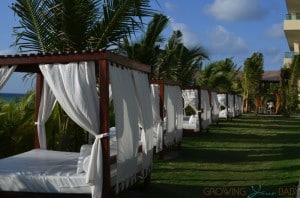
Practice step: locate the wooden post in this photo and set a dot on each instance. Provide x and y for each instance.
(104, 126)
(38, 95)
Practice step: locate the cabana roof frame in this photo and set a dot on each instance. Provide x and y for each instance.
(29, 62)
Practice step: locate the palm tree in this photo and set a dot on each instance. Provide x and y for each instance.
(220, 76)
(177, 62)
(289, 86)
(147, 48)
(64, 25)
(251, 77)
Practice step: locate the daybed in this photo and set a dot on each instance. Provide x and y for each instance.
(114, 162)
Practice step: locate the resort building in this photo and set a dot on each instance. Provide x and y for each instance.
(291, 27)
(292, 30)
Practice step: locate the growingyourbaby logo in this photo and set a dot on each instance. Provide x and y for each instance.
(257, 191)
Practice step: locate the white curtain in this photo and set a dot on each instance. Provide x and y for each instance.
(170, 105)
(231, 112)
(126, 112)
(190, 97)
(143, 94)
(157, 127)
(5, 73)
(215, 105)
(45, 109)
(205, 106)
(177, 94)
(74, 86)
(222, 99)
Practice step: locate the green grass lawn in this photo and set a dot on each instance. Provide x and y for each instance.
(247, 151)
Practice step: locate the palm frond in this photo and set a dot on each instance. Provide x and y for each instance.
(118, 20)
(36, 28)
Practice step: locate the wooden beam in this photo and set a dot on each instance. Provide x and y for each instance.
(30, 62)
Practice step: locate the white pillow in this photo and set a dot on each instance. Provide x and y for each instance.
(86, 163)
(85, 151)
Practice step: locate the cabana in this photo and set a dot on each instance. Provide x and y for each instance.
(223, 108)
(114, 161)
(167, 99)
(191, 98)
(227, 105)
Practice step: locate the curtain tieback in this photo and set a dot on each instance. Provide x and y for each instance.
(38, 123)
(102, 135)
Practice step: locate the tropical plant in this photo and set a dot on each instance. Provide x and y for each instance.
(178, 62)
(17, 125)
(64, 25)
(147, 48)
(289, 86)
(220, 76)
(251, 78)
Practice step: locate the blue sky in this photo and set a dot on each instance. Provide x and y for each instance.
(225, 28)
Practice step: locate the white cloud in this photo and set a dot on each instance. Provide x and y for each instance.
(189, 38)
(236, 10)
(275, 31)
(170, 7)
(224, 42)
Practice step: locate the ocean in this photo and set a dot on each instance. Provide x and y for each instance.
(10, 96)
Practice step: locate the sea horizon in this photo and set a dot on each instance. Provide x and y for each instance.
(8, 97)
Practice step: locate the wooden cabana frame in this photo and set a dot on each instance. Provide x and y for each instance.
(29, 63)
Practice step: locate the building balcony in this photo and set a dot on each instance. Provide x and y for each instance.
(288, 58)
(293, 5)
(291, 27)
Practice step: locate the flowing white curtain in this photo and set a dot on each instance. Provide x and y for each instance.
(178, 101)
(215, 106)
(5, 73)
(205, 106)
(74, 86)
(231, 111)
(143, 94)
(170, 105)
(45, 109)
(190, 97)
(157, 128)
(126, 112)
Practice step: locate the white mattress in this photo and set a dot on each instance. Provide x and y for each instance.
(42, 171)
(191, 124)
(48, 171)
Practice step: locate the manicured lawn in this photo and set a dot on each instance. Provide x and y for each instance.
(249, 151)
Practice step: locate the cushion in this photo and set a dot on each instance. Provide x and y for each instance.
(85, 151)
(86, 163)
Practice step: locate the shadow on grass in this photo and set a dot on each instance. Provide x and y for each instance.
(249, 150)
